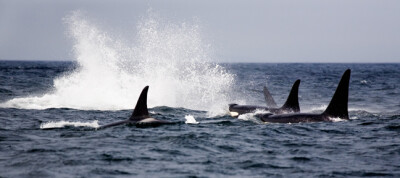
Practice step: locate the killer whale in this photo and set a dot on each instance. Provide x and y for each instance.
(337, 108)
(268, 98)
(291, 104)
(140, 116)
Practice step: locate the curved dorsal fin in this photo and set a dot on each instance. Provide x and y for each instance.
(292, 102)
(338, 105)
(268, 98)
(141, 105)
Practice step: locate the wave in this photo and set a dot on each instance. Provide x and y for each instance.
(190, 120)
(61, 124)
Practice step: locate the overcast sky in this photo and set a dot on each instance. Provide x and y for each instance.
(238, 31)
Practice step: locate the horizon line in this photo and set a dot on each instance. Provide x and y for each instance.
(221, 61)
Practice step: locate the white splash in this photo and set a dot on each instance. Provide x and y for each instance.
(234, 114)
(190, 120)
(261, 111)
(171, 58)
(246, 117)
(251, 116)
(336, 119)
(61, 124)
(353, 117)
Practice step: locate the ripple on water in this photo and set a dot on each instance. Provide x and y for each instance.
(219, 146)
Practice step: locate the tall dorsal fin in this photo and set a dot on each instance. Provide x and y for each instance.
(292, 102)
(338, 105)
(268, 98)
(141, 106)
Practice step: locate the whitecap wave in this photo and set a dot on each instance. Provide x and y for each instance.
(61, 124)
(251, 116)
(336, 119)
(190, 120)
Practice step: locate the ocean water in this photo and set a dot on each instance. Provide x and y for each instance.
(48, 128)
(50, 111)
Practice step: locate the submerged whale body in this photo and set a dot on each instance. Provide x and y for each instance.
(337, 108)
(291, 105)
(140, 116)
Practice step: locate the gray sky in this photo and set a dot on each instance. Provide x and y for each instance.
(239, 31)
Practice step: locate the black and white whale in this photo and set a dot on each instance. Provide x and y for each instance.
(140, 116)
(337, 107)
(291, 104)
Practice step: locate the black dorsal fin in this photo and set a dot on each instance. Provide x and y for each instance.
(338, 105)
(292, 102)
(268, 98)
(141, 106)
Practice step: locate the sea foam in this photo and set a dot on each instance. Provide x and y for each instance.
(61, 124)
(190, 120)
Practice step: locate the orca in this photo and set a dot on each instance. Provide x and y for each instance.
(291, 104)
(140, 116)
(337, 108)
(269, 99)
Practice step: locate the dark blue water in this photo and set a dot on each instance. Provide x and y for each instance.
(366, 145)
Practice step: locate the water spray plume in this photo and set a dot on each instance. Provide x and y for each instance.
(171, 58)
